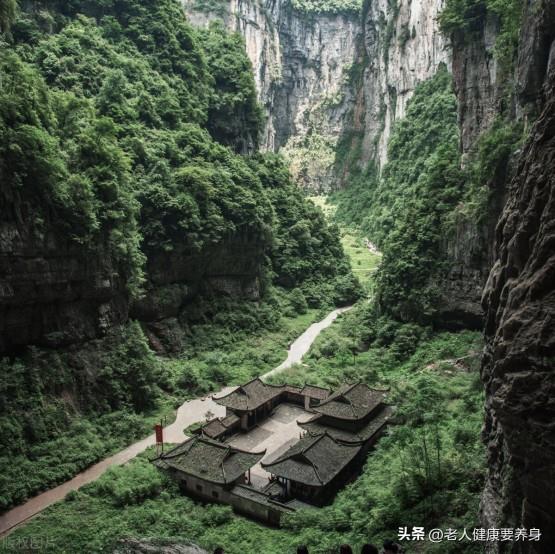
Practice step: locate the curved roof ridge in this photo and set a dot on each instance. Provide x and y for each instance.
(350, 402)
(315, 466)
(339, 392)
(314, 441)
(216, 398)
(227, 446)
(170, 453)
(310, 462)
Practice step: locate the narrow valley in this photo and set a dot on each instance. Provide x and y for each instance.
(340, 213)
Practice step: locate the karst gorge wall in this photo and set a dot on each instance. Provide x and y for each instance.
(384, 55)
(323, 77)
(519, 299)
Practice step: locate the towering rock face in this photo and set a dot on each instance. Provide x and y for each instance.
(300, 63)
(324, 77)
(402, 47)
(479, 89)
(518, 368)
(52, 291)
(485, 93)
(477, 81)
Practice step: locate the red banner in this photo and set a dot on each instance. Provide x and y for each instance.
(159, 434)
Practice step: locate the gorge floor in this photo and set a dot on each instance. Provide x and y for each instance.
(189, 413)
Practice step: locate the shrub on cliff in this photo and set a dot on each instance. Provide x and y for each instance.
(467, 17)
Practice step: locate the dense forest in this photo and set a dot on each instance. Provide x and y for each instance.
(129, 150)
(155, 248)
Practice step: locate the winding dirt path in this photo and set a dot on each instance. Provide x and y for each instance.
(191, 411)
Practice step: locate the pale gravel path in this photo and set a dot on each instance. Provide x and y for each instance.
(191, 411)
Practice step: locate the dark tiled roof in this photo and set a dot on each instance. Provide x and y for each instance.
(218, 426)
(313, 460)
(260, 497)
(209, 460)
(291, 388)
(368, 430)
(213, 428)
(230, 420)
(351, 402)
(249, 396)
(315, 392)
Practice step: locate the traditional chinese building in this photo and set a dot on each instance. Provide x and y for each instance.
(207, 468)
(254, 401)
(251, 402)
(353, 414)
(336, 440)
(220, 428)
(314, 468)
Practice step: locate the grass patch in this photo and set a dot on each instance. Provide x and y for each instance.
(364, 261)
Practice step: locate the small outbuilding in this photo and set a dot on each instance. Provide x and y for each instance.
(251, 402)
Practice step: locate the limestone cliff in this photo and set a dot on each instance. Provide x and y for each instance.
(52, 291)
(55, 293)
(402, 47)
(325, 77)
(518, 368)
(479, 89)
(301, 63)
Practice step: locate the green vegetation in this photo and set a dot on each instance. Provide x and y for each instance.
(328, 6)
(404, 210)
(123, 126)
(218, 7)
(124, 133)
(307, 251)
(63, 411)
(427, 471)
(46, 440)
(486, 166)
(466, 17)
(233, 104)
(364, 260)
(430, 466)
(422, 195)
(8, 9)
(310, 157)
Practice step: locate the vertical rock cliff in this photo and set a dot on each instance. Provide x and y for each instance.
(402, 46)
(479, 87)
(323, 76)
(518, 365)
(301, 63)
(52, 292)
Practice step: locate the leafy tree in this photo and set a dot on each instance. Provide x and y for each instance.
(8, 10)
(234, 116)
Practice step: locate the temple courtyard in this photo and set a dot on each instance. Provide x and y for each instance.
(279, 448)
(274, 435)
